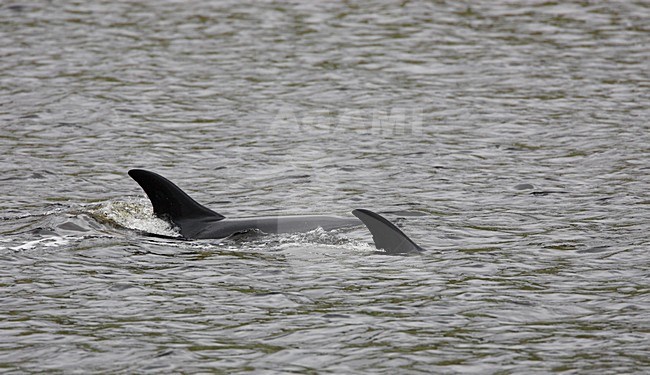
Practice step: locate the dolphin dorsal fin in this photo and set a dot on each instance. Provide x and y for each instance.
(385, 234)
(169, 201)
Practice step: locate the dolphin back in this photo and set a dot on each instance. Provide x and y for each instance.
(197, 221)
(170, 202)
(385, 234)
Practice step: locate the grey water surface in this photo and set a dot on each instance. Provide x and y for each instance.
(509, 139)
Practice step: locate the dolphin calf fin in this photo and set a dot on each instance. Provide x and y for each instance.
(170, 202)
(385, 234)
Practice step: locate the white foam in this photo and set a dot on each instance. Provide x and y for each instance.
(54, 241)
(323, 239)
(135, 215)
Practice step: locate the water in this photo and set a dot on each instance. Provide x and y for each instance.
(510, 140)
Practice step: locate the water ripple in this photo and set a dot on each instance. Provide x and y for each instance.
(516, 132)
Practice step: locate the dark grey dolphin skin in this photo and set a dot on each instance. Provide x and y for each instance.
(385, 234)
(199, 222)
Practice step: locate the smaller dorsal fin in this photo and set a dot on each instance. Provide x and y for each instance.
(169, 201)
(385, 234)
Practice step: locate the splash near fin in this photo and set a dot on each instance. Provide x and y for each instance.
(385, 234)
(170, 202)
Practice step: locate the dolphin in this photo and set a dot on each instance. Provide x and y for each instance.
(196, 221)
